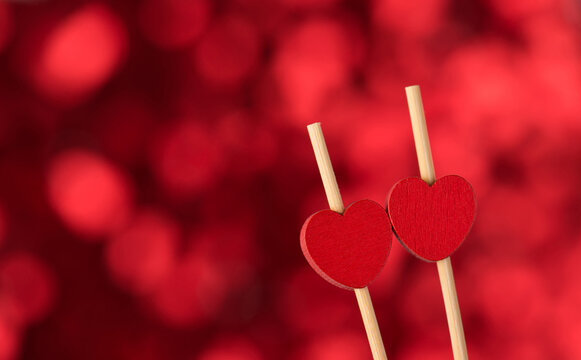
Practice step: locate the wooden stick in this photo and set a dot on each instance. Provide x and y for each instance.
(325, 168)
(452, 309)
(444, 266)
(336, 204)
(370, 323)
(420, 130)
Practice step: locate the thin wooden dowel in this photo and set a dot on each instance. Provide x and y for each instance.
(325, 168)
(445, 272)
(420, 130)
(452, 309)
(336, 204)
(370, 323)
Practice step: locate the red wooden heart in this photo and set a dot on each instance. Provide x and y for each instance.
(348, 250)
(432, 221)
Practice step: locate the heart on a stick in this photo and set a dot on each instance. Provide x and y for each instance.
(432, 221)
(350, 249)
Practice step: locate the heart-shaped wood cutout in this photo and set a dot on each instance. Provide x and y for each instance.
(348, 250)
(432, 221)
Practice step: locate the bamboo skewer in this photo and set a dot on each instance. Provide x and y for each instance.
(427, 174)
(370, 323)
(336, 204)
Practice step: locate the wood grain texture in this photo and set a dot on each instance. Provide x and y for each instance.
(336, 204)
(420, 130)
(348, 250)
(370, 323)
(427, 173)
(455, 326)
(432, 221)
(325, 167)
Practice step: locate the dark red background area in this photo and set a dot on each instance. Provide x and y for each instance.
(155, 171)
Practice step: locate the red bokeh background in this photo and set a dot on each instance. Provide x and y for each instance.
(155, 171)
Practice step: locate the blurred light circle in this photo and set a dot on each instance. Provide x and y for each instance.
(141, 255)
(517, 220)
(546, 74)
(229, 52)
(235, 131)
(312, 59)
(186, 158)
(6, 25)
(517, 11)
(501, 83)
(509, 296)
(341, 346)
(420, 300)
(80, 54)
(426, 349)
(231, 349)
(231, 245)
(375, 142)
(309, 305)
(173, 23)
(407, 18)
(309, 4)
(534, 347)
(89, 193)
(458, 154)
(483, 88)
(9, 341)
(28, 289)
(192, 293)
(567, 305)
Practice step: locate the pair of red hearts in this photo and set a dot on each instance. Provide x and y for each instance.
(350, 249)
